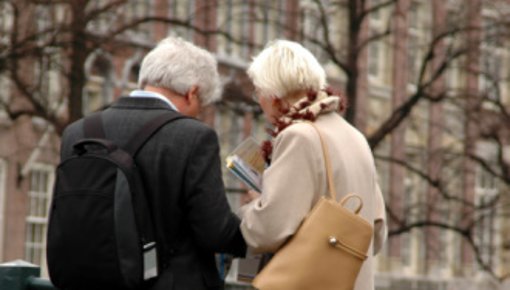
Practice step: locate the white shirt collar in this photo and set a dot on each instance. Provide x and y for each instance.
(148, 94)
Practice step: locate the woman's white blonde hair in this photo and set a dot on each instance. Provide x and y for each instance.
(178, 65)
(285, 67)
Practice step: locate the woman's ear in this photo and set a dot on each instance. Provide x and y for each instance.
(282, 106)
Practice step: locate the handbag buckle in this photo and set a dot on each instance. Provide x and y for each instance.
(334, 242)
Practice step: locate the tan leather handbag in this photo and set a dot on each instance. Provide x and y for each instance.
(328, 249)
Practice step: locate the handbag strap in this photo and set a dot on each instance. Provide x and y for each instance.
(329, 170)
(334, 241)
(346, 198)
(327, 161)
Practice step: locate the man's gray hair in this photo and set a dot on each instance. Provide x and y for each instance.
(177, 65)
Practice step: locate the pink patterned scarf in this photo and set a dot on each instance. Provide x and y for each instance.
(307, 108)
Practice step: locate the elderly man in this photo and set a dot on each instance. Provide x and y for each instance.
(180, 163)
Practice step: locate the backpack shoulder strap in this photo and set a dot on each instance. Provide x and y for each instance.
(132, 147)
(149, 129)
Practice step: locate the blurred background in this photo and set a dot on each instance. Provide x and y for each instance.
(428, 83)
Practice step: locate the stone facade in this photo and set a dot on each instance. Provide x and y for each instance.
(422, 258)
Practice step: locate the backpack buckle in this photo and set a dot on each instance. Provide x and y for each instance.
(150, 261)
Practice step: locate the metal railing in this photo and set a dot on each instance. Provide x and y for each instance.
(36, 283)
(21, 275)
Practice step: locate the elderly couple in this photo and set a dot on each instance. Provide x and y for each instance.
(182, 167)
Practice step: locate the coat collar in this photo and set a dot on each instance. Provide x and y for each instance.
(140, 103)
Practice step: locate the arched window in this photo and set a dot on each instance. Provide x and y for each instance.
(134, 73)
(136, 10)
(6, 22)
(101, 83)
(183, 11)
(236, 18)
(130, 72)
(130, 79)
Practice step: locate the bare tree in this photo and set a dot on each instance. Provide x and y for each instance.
(39, 36)
(449, 202)
(447, 170)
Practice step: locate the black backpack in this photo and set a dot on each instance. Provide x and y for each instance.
(101, 233)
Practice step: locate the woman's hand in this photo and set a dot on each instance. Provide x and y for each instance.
(249, 196)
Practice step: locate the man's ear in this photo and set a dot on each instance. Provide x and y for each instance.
(191, 94)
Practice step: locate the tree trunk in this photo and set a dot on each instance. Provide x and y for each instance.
(472, 63)
(351, 90)
(396, 194)
(434, 138)
(356, 87)
(78, 55)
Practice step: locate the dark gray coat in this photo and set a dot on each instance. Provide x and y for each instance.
(181, 168)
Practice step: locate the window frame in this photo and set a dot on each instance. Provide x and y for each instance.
(35, 251)
(486, 190)
(3, 193)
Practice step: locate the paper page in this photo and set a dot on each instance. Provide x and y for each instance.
(243, 270)
(247, 163)
(249, 151)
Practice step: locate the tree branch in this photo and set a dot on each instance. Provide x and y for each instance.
(405, 109)
(375, 8)
(95, 13)
(428, 223)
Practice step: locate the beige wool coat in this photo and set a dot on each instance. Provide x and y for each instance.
(296, 179)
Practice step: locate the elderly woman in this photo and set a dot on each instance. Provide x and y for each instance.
(290, 85)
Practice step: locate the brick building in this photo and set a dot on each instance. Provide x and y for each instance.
(388, 72)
